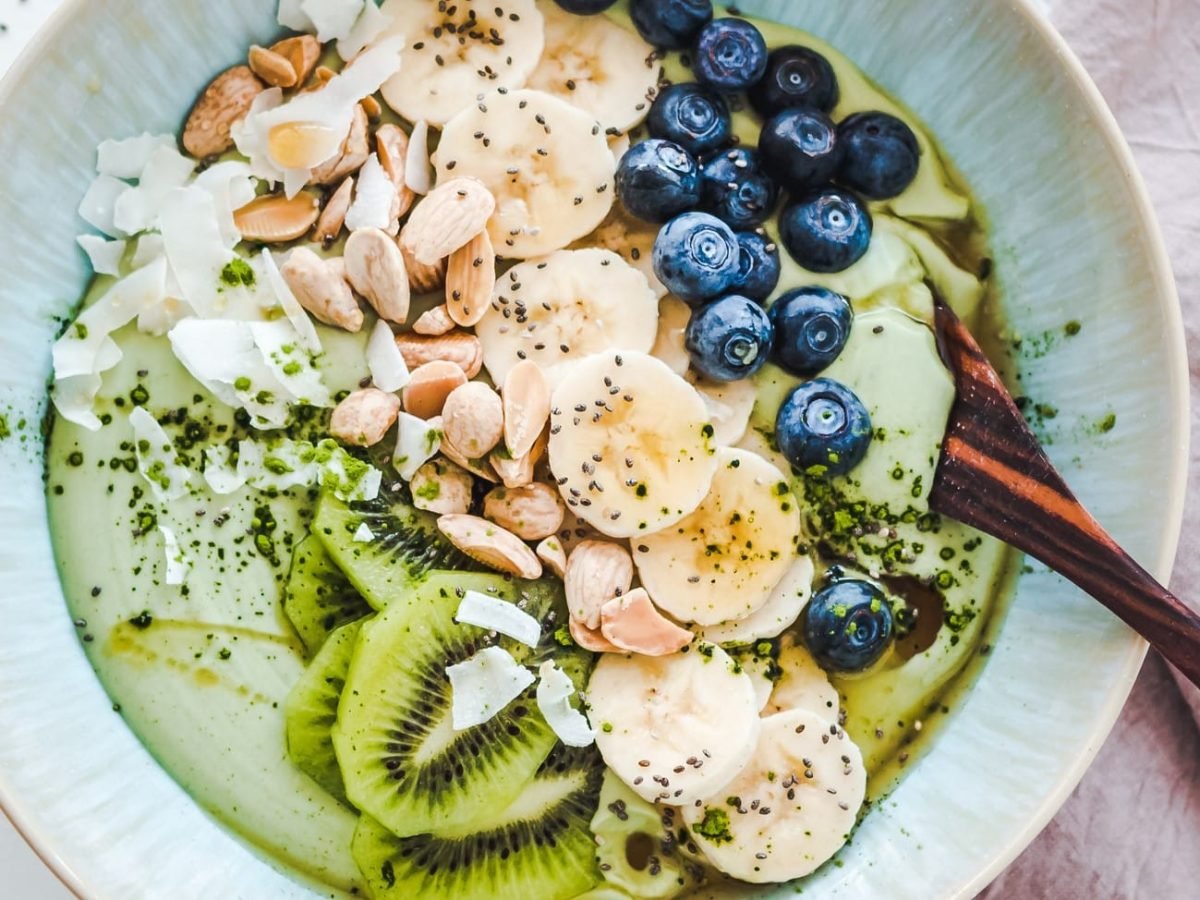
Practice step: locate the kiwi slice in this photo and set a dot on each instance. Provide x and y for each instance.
(404, 546)
(402, 762)
(311, 710)
(538, 846)
(318, 598)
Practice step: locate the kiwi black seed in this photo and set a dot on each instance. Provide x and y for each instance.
(318, 598)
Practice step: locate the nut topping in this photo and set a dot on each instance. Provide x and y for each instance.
(491, 545)
(223, 104)
(320, 288)
(531, 513)
(365, 417)
(375, 268)
(451, 215)
(597, 572)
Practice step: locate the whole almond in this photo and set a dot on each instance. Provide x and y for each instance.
(434, 322)
(473, 419)
(470, 280)
(426, 392)
(597, 571)
(333, 216)
(553, 556)
(365, 417)
(491, 545)
(450, 215)
(531, 513)
(591, 639)
(422, 278)
(481, 468)
(526, 406)
(354, 153)
(371, 107)
(375, 268)
(273, 68)
(223, 104)
(519, 472)
(303, 52)
(458, 347)
(276, 219)
(391, 145)
(322, 290)
(442, 487)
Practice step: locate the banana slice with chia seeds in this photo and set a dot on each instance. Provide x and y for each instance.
(670, 344)
(547, 163)
(455, 52)
(802, 684)
(730, 405)
(777, 615)
(632, 239)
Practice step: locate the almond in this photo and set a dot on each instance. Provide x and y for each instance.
(375, 268)
(303, 52)
(354, 153)
(365, 417)
(333, 216)
(491, 545)
(425, 394)
(422, 278)
(391, 145)
(223, 104)
(520, 471)
(597, 571)
(322, 290)
(454, 212)
(273, 68)
(470, 280)
(442, 487)
(473, 420)
(633, 623)
(526, 407)
(459, 347)
(590, 639)
(275, 219)
(553, 556)
(434, 322)
(480, 468)
(532, 513)
(371, 107)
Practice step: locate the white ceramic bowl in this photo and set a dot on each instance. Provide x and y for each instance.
(1074, 238)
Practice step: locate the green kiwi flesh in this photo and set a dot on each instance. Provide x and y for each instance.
(401, 760)
(538, 846)
(318, 597)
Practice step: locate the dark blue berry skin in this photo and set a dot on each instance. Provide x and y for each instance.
(848, 625)
(735, 188)
(760, 266)
(731, 55)
(671, 24)
(823, 423)
(657, 180)
(826, 231)
(812, 326)
(586, 7)
(730, 339)
(693, 116)
(795, 76)
(800, 148)
(697, 257)
(880, 155)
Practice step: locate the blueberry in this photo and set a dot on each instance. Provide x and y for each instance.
(693, 116)
(826, 231)
(848, 625)
(824, 424)
(731, 55)
(760, 266)
(730, 339)
(880, 155)
(657, 180)
(796, 76)
(697, 257)
(735, 188)
(586, 7)
(800, 148)
(671, 24)
(812, 326)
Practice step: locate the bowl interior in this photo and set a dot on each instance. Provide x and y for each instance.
(1073, 240)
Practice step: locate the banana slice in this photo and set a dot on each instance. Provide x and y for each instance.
(453, 52)
(547, 163)
(678, 728)
(790, 809)
(564, 308)
(730, 406)
(632, 239)
(802, 685)
(595, 64)
(630, 444)
(669, 344)
(778, 614)
(723, 561)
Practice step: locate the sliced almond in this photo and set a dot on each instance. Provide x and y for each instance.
(223, 104)
(491, 545)
(526, 406)
(434, 322)
(422, 278)
(375, 268)
(321, 289)
(453, 212)
(425, 394)
(275, 219)
(333, 216)
(355, 151)
(633, 623)
(597, 571)
(553, 556)
(518, 472)
(303, 52)
(365, 417)
(322, 75)
(532, 513)
(591, 639)
(470, 280)
(371, 107)
(473, 419)
(273, 68)
(480, 468)
(459, 347)
(441, 487)
(391, 144)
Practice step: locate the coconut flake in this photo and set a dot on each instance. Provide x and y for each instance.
(178, 562)
(418, 173)
(128, 158)
(417, 442)
(287, 301)
(292, 15)
(483, 685)
(74, 398)
(99, 204)
(554, 692)
(139, 209)
(104, 255)
(156, 457)
(220, 474)
(349, 479)
(232, 185)
(333, 19)
(291, 363)
(374, 199)
(277, 466)
(494, 614)
(363, 535)
(370, 25)
(386, 362)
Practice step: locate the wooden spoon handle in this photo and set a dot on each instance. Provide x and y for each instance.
(994, 476)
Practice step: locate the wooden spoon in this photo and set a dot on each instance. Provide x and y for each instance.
(994, 476)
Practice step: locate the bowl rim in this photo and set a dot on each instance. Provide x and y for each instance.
(1177, 371)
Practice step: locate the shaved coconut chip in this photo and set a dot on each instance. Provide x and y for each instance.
(418, 173)
(277, 466)
(232, 185)
(104, 255)
(178, 562)
(350, 480)
(149, 248)
(554, 692)
(374, 199)
(386, 362)
(293, 366)
(417, 442)
(157, 459)
(74, 398)
(370, 25)
(296, 314)
(198, 254)
(129, 158)
(333, 19)
(139, 209)
(483, 685)
(363, 535)
(494, 614)
(99, 204)
(162, 317)
(292, 15)
(219, 472)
